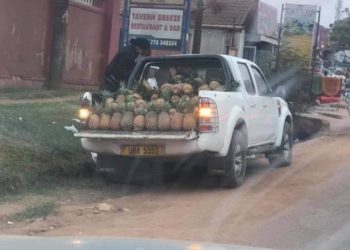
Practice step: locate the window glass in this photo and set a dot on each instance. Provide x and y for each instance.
(260, 82)
(247, 78)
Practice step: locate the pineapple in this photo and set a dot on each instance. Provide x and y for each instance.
(220, 89)
(187, 89)
(140, 119)
(140, 103)
(154, 97)
(120, 99)
(176, 89)
(166, 87)
(177, 121)
(114, 124)
(94, 119)
(159, 102)
(194, 101)
(127, 121)
(175, 99)
(128, 117)
(198, 81)
(214, 84)
(152, 117)
(204, 87)
(105, 119)
(189, 122)
(164, 118)
(172, 112)
(166, 94)
(137, 96)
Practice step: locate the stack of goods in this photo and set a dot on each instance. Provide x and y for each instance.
(172, 107)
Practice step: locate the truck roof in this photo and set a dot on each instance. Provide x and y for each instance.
(198, 56)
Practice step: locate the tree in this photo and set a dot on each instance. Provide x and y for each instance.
(216, 7)
(340, 35)
(58, 49)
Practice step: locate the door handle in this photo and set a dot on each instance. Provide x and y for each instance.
(252, 105)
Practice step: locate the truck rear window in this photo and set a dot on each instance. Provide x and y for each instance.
(176, 70)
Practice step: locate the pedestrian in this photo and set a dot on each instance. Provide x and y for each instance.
(123, 63)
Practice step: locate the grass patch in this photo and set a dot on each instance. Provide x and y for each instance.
(33, 212)
(35, 149)
(38, 93)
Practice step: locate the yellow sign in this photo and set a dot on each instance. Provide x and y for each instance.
(166, 2)
(138, 150)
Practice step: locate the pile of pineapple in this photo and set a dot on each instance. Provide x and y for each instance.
(173, 107)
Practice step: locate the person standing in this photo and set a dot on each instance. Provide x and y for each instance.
(123, 63)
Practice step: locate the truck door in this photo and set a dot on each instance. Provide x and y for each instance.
(251, 106)
(267, 106)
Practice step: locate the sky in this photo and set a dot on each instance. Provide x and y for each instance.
(327, 7)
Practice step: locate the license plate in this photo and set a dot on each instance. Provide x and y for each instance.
(149, 150)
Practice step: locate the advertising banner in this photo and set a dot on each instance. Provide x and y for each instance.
(267, 20)
(298, 28)
(163, 27)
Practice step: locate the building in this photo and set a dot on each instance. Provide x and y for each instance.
(26, 41)
(246, 29)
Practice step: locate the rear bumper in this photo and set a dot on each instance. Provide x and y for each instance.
(176, 143)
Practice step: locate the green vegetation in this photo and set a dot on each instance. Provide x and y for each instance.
(35, 211)
(340, 35)
(35, 149)
(20, 94)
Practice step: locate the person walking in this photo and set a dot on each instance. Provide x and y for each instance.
(123, 63)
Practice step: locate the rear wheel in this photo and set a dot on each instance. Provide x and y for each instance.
(282, 157)
(235, 162)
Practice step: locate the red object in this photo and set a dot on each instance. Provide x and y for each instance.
(331, 86)
(328, 99)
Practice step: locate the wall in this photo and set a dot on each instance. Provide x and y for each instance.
(213, 41)
(85, 45)
(23, 42)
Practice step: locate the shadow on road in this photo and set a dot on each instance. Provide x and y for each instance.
(190, 180)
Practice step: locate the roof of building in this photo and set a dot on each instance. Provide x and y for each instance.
(232, 12)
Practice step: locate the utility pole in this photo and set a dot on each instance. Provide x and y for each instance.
(58, 49)
(280, 29)
(197, 36)
(338, 10)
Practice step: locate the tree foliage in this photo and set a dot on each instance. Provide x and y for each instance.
(341, 34)
(294, 79)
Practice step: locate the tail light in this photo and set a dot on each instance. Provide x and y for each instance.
(208, 116)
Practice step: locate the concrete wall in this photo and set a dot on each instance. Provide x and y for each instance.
(213, 41)
(85, 45)
(24, 42)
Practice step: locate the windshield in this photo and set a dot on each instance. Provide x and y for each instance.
(174, 124)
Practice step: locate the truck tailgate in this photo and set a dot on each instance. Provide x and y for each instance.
(135, 135)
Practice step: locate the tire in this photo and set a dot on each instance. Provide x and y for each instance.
(235, 162)
(282, 157)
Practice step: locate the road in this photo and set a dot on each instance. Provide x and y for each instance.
(305, 206)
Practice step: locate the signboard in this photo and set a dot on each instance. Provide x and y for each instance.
(267, 20)
(160, 2)
(299, 21)
(163, 27)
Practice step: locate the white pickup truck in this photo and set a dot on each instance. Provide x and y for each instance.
(244, 122)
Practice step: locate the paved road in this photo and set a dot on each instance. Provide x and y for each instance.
(305, 206)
